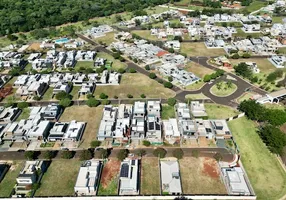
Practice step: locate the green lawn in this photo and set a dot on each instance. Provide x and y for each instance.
(217, 111)
(277, 19)
(146, 34)
(255, 5)
(60, 178)
(83, 65)
(74, 92)
(48, 94)
(111, 189)
(9, 181)
(241, 33)
(24, 114)
(116, 64)
(265, 173)
(168, 112)
(107, 39)
(224, 90)
(199, 49)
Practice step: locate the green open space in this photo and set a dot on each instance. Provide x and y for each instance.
(217, 111)
(263, 169)
(199, 49)
(60, 178)
(24, 114)
(116, 64)
(255, 5)
(196, 96)
(167, 111)
(9, 180)
(48, 94)
(83, 65)
(221, 89)
(241, 33)
(107, 39)
(146, 34)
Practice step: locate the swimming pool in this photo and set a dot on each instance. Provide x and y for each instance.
(61, 40)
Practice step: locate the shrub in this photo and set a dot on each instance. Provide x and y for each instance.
(143, 96)
(146, 143)
(132, 70)
(88, 96)
(95, 143)
(115, 97)
(103, 153)
(178, 153)
(67, 154)
(141, 152)
(30, 155)
(195, 153)
(235, 56)
(121, 70)
(48, 155)
(172, 101)
(105, 102)
(65, 102)
(103, 96)
(23, 105)
(62, 95)
(92, 102)
(122, 154)
(170, 78)
(160, 152)
(152, 75)
(160, 81)
(218, 157)
(168, 85)
(147, 67)
(85, 155)
(129, 96)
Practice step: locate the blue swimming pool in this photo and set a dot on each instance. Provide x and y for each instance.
(61, 40)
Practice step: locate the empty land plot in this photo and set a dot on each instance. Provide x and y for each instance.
(150, 183)
(168, 111)
(198, 70)
(9, 180)
(109, 178)
(91, 116)
(201, 176)
(116, 64)
(60, 178)
(199, 49)
(262, 167)
(135, 84)
(217, 111)
(107, 39)
(264, 65)
(146, 34)
(83, 65)
(34, 46)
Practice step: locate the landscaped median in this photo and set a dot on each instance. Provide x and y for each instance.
(223, 89)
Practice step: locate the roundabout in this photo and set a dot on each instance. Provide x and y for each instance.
(223, 88)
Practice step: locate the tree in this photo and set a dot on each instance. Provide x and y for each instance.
(103, 96)
(168, 85)
(85, 155)
(218, 157)
(160, 152)
(178, 153)
(243, 70)
(121, 70)
(141, 152)
(171, 50)
(137, 22)
(132, 70)
(171, 101)
(65, 102)
(143, 96)
(152, 75)
(207, 78)
(23, 105)
(252, 109)
(122, 154)
(177, 37)
(48, 155)
(62, 95)
(95, 143)
(274, 75)
(275, 117)
(103, 153)
(130, 96)
(195, 153)
(170, 78)
(105, 102)
(30, 155)
(147, 67)
(274, 138)
(92, 102)
(235, 56)
(146, 143)
(229, 84)
(10, 101)
(67, 154)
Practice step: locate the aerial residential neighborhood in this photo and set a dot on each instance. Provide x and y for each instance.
(138, 99)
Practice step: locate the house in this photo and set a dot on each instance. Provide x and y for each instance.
(129, 177)
(99, 62)
(170, 128)
(236, 181)
(175, 44)
(8, 114)
(221, 129)
(62, 87)
(278, 61)
(40, 131)
(67, 131)
(183, 112)
(170, 177)
(198, 109)
(36, 88)
(86, 88)
(28, 176)
(78, 79)
(21, 80)
(138, 121)
(123, 120)
(51, 112)
(154, 128)
(107, 124)
(253, 66)
(222, 61)
(47, 45)
(33, 56)
(88, 178)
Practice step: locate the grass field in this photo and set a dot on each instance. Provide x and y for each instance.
(146, 34)
(264, 65)
(245, 96)
(150, 183)
(135, 84)
(74, 92)
(109, 178)
(241, 33)
(197, 69)
(83, 65)
(168, 112)
(24, 114)
(255, 5)
(224, 90)
(91, 116)
(60, 178)
(196, 96)
(277, 19)
(48, 94)
(195, 86)
(107, 39)
(265, 173)
(217, 111)
(201, 176)
(199, 49)
(9, 180)
(116, 64)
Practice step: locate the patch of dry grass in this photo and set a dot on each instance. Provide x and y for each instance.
(197, 69)
(199, 49)
(150, 183)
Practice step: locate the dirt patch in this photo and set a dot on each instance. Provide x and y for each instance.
(110, 170)
(210, 168)
(34, 46)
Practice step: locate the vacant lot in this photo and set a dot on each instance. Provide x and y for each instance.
(150, 183)
(135, 84)
(201, 176)
(7, 184)
(168, 111)
(198, 70)
(109, 178)
(107, 39)
(116, 64)
(60, 178)
(199, 49)
(217, 111)
(80, 65)
(91, 116)
(146, 34)
(263, 169)
(264, 65)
